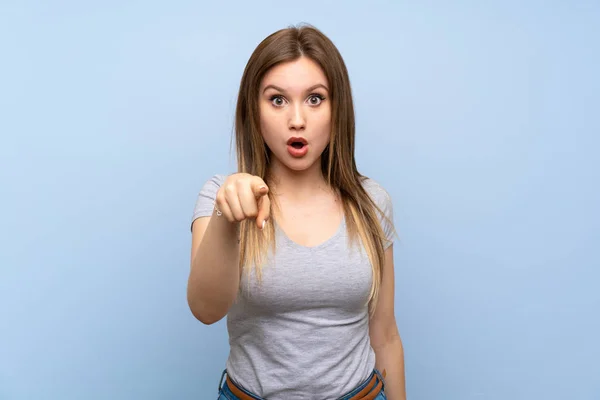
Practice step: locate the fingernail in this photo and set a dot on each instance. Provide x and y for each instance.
(263, 225)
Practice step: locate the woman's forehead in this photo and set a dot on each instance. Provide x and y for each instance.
(294, 76)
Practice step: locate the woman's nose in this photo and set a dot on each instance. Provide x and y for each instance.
(297, 120)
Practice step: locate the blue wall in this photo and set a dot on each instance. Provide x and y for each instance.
(482, 121)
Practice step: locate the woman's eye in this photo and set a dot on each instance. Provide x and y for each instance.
(315, 99)
(277, 101)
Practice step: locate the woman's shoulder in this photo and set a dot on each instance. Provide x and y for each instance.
(216, 180)
(375, 190)
(207, 196)
(383, 200)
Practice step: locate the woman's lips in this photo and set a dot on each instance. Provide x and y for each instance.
(297, 147)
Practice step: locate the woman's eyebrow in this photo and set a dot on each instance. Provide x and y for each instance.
(310, 89)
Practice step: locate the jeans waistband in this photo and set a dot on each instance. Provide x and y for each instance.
(372, 386)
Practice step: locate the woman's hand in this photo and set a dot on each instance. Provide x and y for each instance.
(244, 196)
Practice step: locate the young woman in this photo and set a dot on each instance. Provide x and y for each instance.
(296, 247)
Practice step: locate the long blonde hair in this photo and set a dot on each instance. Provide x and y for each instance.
(337, 162)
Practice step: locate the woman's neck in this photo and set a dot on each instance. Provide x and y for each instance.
(297, 185)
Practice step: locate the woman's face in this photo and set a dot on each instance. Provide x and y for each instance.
(295, 113)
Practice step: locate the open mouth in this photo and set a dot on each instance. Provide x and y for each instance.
(297, 146)
(297, 142)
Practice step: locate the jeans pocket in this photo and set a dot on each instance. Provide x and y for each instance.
(381, 396)
(222, 396)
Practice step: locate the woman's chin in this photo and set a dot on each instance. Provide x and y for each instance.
(299, 164)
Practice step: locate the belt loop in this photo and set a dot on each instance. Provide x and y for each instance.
(380, 376)
(221, 381)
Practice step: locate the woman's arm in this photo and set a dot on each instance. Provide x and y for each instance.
(214, 278)
(385, 338)
(214, 269)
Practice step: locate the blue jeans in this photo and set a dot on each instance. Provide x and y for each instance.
(226, 394)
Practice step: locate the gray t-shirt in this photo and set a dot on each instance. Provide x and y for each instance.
(303, 332)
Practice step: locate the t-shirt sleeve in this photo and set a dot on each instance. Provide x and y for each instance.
(384, 201)
(205, 202)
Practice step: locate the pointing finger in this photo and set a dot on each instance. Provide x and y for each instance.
(264, 211)
(259, 187)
